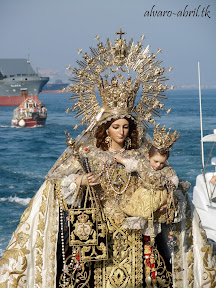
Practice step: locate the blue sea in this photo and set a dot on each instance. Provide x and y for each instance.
(27, 154)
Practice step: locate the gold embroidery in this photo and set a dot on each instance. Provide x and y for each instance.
(52, 236)
(209, 275)
(27, 212)
(40, 237)
(43, 206)
(39, 259)
(190, 257)
(39, 242)
(85, 223)
(125, 268)
(38, 277)
(17, 251)
(190, 274)
(41, 224)
(22, 238)
(19, 256)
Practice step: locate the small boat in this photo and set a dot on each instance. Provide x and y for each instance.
(30, 113)
(204, 192)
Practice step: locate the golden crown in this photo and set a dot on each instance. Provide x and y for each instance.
(118, 97)
(163, 140)
(109, 69)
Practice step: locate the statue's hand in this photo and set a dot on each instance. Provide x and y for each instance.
(93, 179)
(118, 158)
(87, 179)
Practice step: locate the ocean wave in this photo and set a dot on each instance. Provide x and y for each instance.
(22, 201)
(16, 127)
(23, 174)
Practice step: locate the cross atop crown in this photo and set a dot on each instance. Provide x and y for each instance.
(120, 33)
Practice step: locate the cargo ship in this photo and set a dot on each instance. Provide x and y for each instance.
(18, 81)
(57, 87)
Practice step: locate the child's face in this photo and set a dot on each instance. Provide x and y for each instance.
(157, 161)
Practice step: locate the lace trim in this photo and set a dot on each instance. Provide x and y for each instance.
(175, 180)
(131, 165)
(68, 189)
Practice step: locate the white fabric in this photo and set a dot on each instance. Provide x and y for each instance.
(69, 188)
(175, 180)
(131, 165)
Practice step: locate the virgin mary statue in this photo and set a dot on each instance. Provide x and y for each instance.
(76, 231)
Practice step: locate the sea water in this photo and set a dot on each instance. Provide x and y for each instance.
(27, 154)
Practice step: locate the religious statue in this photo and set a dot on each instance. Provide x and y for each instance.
(78, 230)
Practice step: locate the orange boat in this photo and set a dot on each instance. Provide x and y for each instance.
(30, 113)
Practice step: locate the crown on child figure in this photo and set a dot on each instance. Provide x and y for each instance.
(164, 140)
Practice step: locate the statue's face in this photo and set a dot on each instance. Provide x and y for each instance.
(119, 130)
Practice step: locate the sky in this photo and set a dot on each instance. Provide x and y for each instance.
(50, 32)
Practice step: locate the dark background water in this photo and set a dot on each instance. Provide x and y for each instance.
(27, 154)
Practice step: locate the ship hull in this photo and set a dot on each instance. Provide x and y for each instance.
(16, 100)
(11, 90)
(29, 122)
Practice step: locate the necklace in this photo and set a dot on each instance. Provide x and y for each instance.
(117, 151)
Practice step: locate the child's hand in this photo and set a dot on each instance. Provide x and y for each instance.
(163, 207)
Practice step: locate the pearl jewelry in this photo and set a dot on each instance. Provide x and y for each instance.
(117, 151)
(62, 242)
